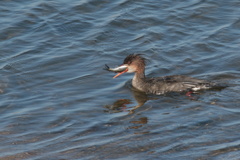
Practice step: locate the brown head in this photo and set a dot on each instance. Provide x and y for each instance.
(134, 63)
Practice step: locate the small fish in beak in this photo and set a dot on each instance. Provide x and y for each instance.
(120, 70)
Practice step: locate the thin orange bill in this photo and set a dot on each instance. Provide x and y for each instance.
(120, 73)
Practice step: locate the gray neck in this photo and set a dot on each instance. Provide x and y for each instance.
(138, 81)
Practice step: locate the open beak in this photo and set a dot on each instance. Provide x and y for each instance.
(120, 73)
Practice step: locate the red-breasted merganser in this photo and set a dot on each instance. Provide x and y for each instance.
(159, 85)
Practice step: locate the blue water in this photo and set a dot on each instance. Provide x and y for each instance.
(57, 102)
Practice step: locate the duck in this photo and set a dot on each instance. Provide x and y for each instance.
(135, 63)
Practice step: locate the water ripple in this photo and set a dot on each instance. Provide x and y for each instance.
(57, 102)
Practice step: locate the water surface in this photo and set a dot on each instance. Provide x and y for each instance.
(58, 103)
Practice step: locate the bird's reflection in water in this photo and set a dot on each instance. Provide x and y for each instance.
(135, 122)
(118, 106)
(139, 123)
(123, 105)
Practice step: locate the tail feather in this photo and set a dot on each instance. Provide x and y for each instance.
(202, 86)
